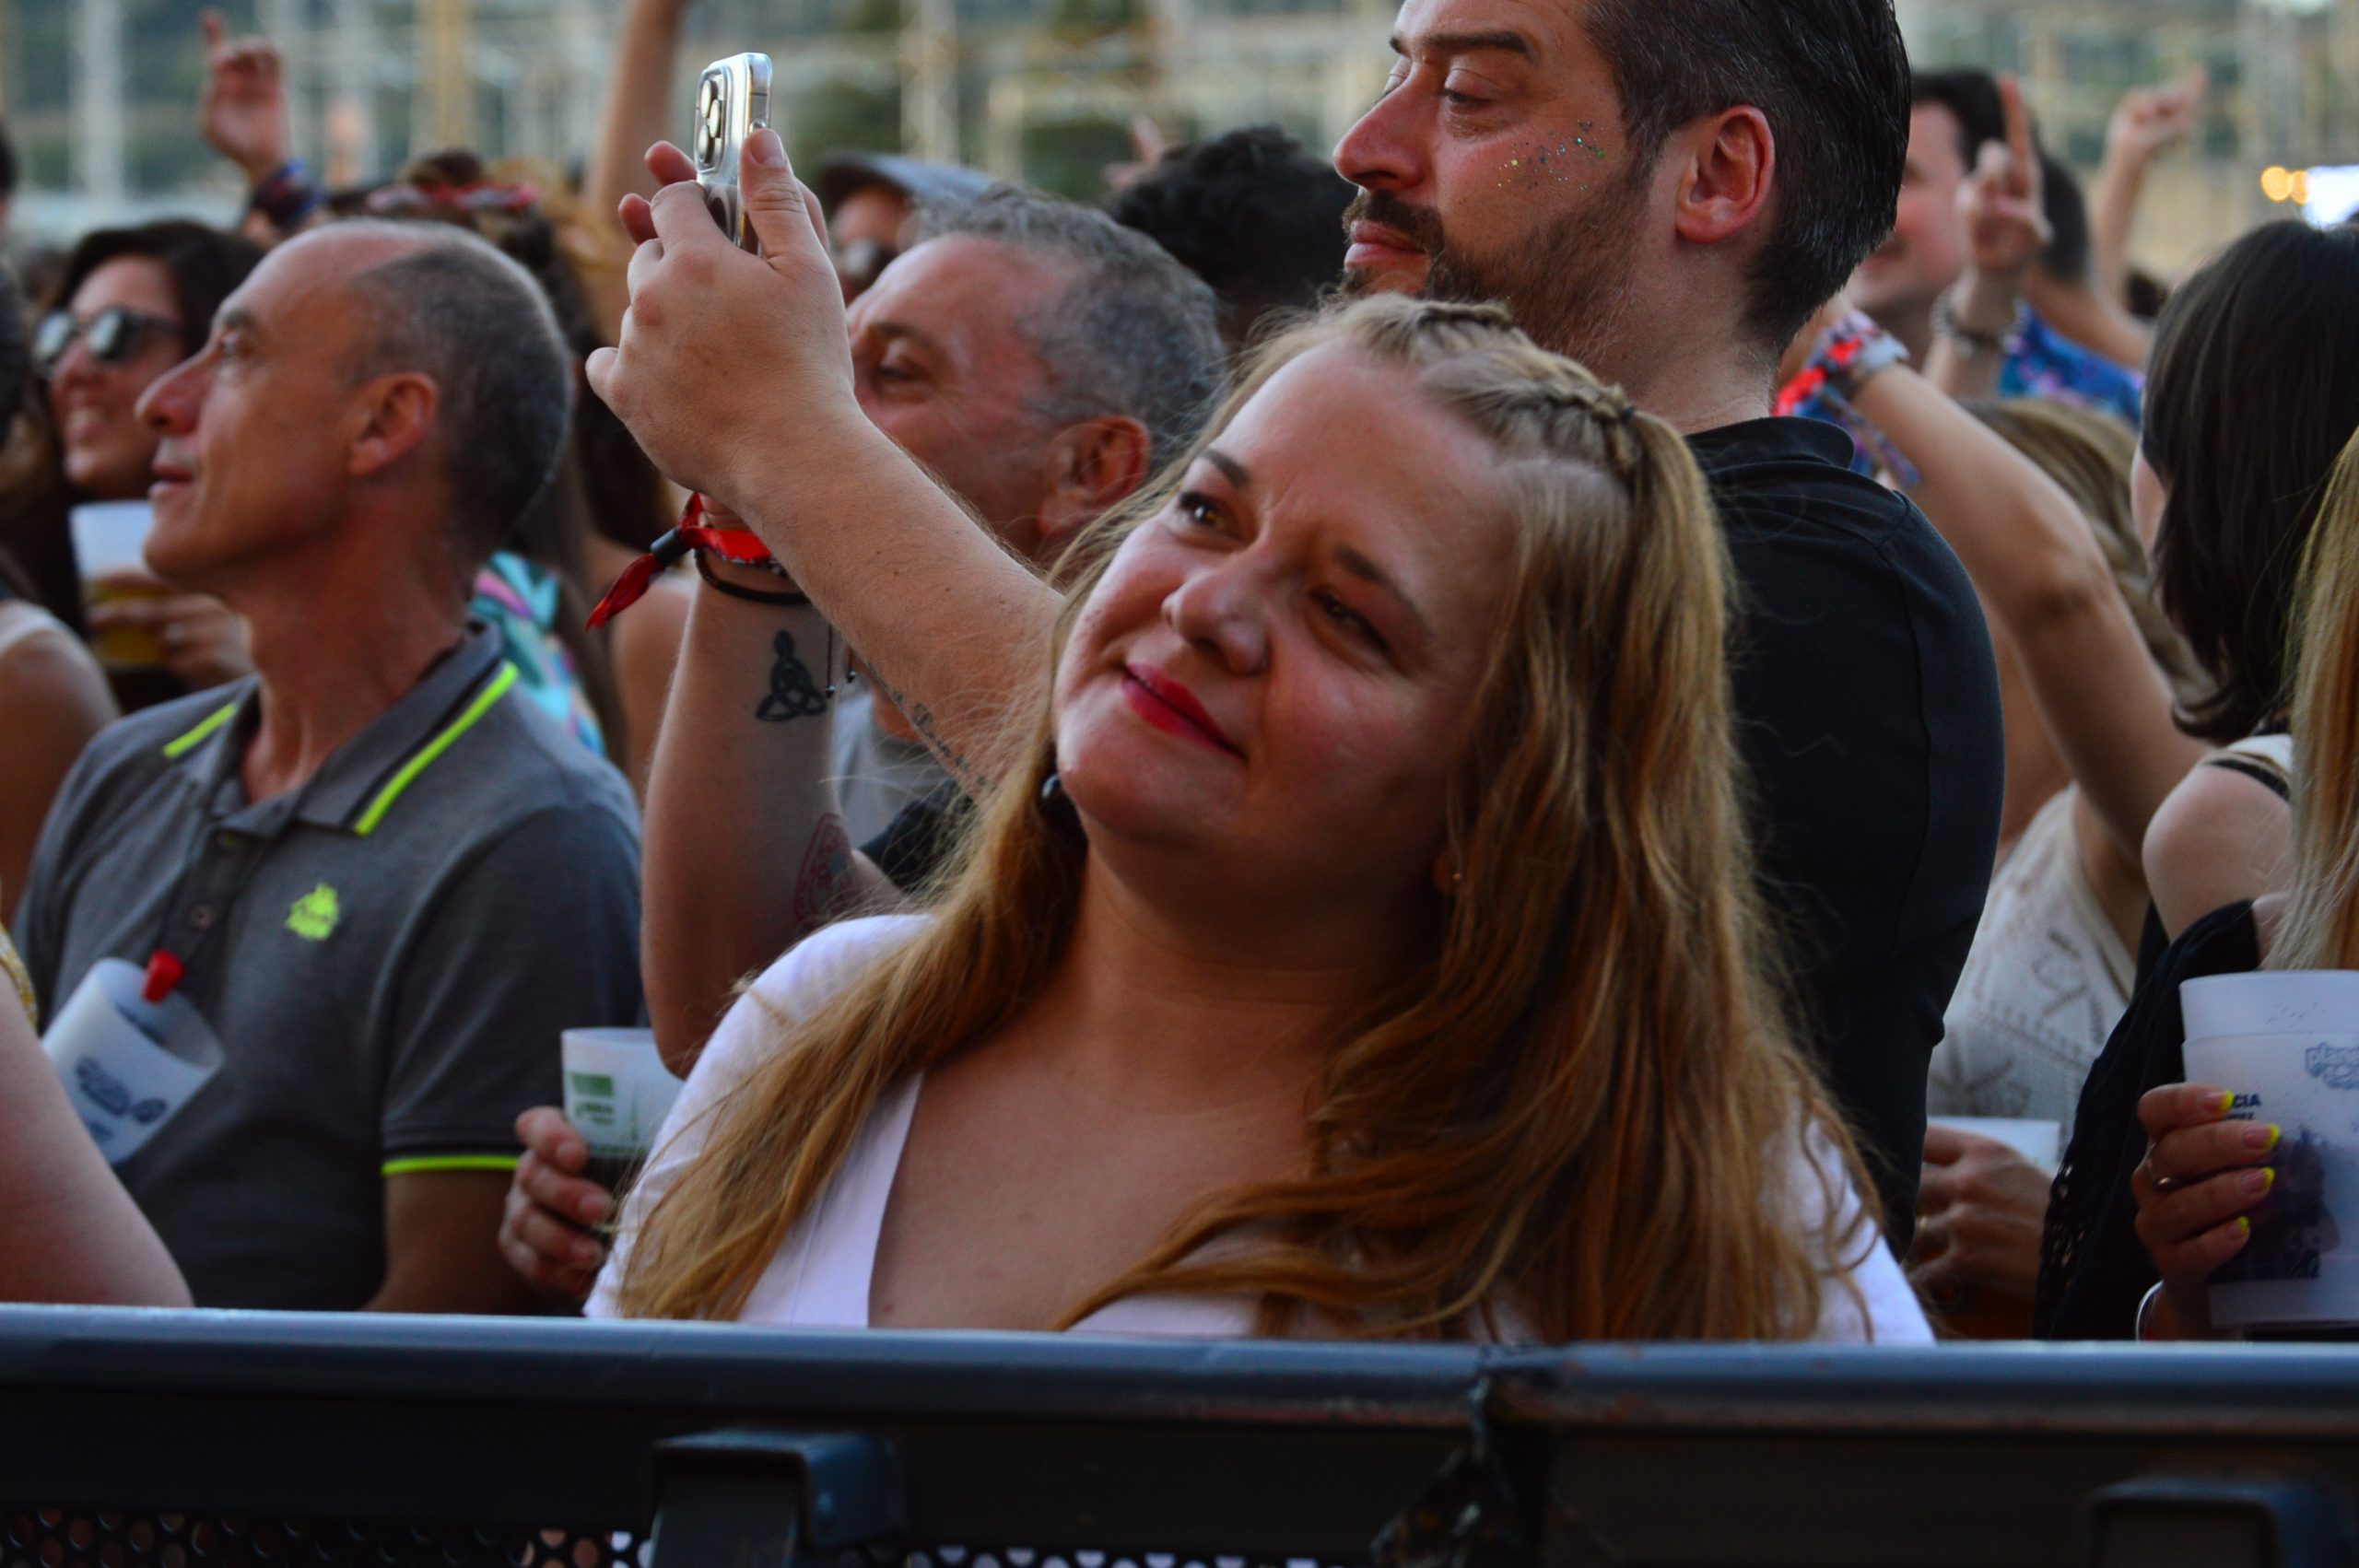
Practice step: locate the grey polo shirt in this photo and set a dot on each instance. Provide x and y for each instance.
(388, 956)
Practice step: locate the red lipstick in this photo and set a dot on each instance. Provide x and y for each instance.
(1170, 706)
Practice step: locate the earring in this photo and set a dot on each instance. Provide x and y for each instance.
(1056, 806)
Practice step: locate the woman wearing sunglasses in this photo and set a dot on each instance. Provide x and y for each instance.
(129, 305)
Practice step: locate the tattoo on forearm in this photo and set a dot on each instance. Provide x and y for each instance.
(825, 886)
(793, 694)
(970, 779)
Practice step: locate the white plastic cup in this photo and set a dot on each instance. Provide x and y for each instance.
(2041, 1142)
(129, 1065)
(618, 1093)
(2286, 1044)
(110, 537)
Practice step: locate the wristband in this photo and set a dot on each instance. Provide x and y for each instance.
(1973, 345)
(1849, 354)
(737, 544)
(786, 597)
(1854, 350)
(287, 194)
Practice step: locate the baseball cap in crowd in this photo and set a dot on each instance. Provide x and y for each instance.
(842, 174)
(865, 250)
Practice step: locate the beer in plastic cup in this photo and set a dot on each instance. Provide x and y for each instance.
(2286, 1044)
(617, 1092)
(112, 537)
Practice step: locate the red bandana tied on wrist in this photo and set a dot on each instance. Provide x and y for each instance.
(738, 544)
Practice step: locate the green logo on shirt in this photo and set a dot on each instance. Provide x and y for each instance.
(315, 914)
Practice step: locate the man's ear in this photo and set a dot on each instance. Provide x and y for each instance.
(1092, 467)
(1729, 167)
(396, 416)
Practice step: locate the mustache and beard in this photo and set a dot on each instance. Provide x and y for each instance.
(1567, 284)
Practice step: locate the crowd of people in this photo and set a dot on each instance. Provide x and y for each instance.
(1460, 744)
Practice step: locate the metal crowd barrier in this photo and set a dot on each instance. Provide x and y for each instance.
(201, 1440)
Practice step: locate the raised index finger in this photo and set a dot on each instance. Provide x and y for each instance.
(2019, 137)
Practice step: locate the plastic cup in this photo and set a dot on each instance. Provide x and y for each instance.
(128, 1064)
(618, 1093)
(112, 537)
(2287, 1046)
(2041, 1142)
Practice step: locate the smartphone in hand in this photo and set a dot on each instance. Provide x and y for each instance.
(732, 102)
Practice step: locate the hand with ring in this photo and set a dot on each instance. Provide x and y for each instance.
(203, 640)
(2197, 1189)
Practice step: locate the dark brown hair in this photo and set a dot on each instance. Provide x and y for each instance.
(205, 266)
(2252, 392)
(1832, 78)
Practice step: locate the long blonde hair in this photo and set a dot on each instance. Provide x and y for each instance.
(2321, 925)
(1585, 1103)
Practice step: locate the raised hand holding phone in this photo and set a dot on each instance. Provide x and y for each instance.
(730, 359)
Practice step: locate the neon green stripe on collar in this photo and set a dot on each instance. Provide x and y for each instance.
(433, 749)
(424, 1163)
(196, 738)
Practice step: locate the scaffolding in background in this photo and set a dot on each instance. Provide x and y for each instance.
(373, 82)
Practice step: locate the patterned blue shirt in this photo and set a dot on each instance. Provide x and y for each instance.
(2041, 362)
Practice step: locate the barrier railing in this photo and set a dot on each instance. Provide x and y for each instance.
(190, 1440)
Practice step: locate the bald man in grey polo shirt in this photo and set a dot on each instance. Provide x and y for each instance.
(391, 880)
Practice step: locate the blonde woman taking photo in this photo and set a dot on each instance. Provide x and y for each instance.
(1363, 944)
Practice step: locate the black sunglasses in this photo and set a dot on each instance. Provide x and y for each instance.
(113, 335)
(861, 263)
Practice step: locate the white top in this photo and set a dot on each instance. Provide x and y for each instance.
(821, 1276)
(876, 773)
(2044, 985)
(21, 621)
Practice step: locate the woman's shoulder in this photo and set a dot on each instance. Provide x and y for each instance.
(1865, 1298)
(2221, 834)
(803, 979)
(21, 621)
(809, 974)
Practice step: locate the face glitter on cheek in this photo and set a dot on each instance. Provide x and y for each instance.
(1536, 163)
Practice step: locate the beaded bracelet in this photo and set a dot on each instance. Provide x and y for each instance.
(288, 195)
(1849, 354)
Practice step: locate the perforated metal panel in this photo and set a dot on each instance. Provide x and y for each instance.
(31, 1538)
(57, 1538)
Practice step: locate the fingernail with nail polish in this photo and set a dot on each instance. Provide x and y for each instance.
(2260, 1180)
(2259, 1137)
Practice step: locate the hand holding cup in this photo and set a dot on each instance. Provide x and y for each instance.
(195, 635)
(546, 1231)
(2203, 1178)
